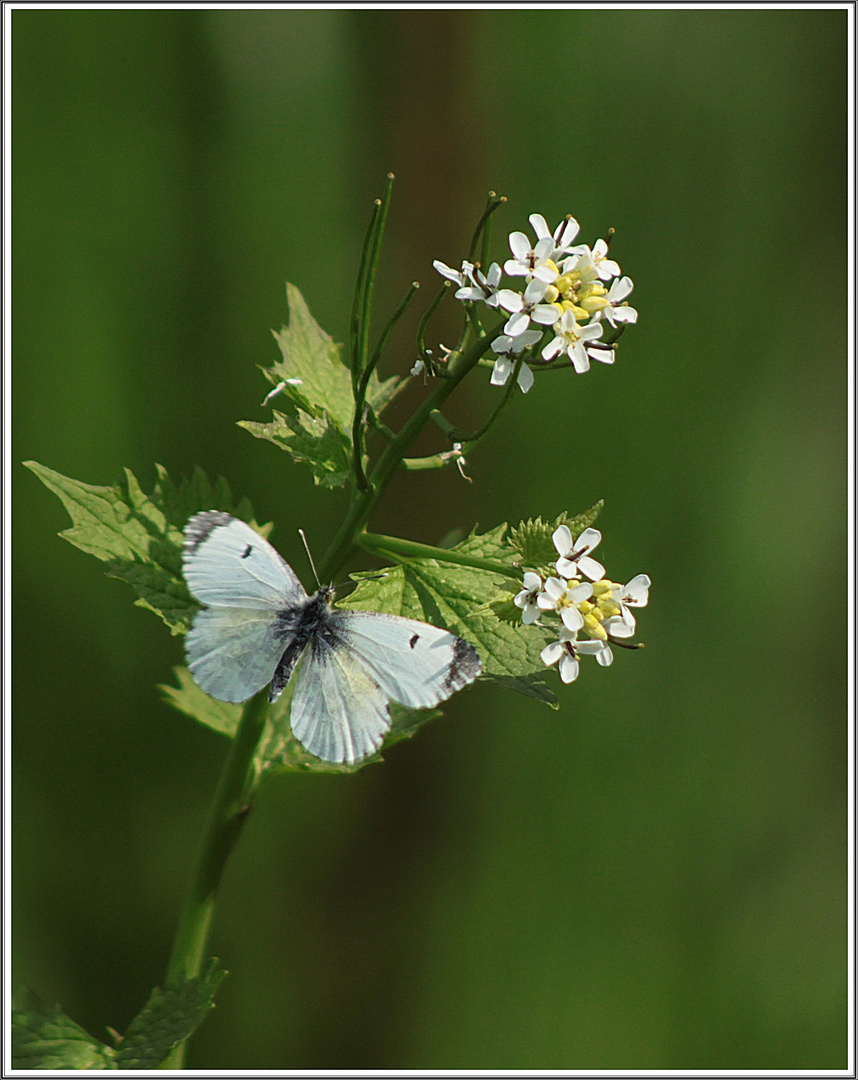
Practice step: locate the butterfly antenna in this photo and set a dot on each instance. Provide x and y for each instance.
(309, 556)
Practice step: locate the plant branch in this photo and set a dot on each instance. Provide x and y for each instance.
(396, 548)
(364, 501)
(227, 815)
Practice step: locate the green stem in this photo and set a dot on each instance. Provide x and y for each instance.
(470, 441)
(492, 204)
(355, 334)
(397, 548)
(344, 542)
(430, 311)
(369, 281)
(359, 422)
(228, 812)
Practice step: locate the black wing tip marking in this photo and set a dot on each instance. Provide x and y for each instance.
(201, 526)
(464, 667)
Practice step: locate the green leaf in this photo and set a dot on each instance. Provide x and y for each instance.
(582, 521)
(532, 538)
(316, 378)
(188, 698)
(171, 1014)
(312, 439)
(459, 598)
(139, 536)
(43, 1037)
(278, 748)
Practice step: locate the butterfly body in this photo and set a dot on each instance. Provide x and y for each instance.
(258, 623)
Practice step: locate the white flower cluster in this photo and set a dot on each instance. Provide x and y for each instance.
(600, 608)
(566, 292)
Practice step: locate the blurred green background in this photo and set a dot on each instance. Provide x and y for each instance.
(652, 877)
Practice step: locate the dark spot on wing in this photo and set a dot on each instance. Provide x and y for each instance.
(414, 639)
(202, 526)
(464, 667)
(247, 551)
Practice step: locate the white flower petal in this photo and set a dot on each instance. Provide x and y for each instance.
(532, 581)
(591, 647)
(582, 592)
(510, 300)
(562, 540)
(525, 378)
(568, 668)
(545, 314)
(607, 268)
(620, 290)
(579, 358)
(552, 349)
(603, 355)
(546, 273)
(535, 291)
(567, 568)
(568, 232)
(525, 340)
(588, 540)
(544, 248)
(594, 570)
(515, 268)
(530, 615)
(618, 627)
(555, 588)
(551, 653)
(519, 244)
(448, 272)
(501, 371)
(540, 225)
(637, 591)
(572, 618)
(516, 324)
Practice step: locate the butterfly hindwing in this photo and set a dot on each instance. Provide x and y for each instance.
(339, 712)
(233, 651)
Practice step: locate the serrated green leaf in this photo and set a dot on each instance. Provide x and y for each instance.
(171, 1014)
(582, 521)
(278, 749)
(314, 440)
(43, 1037)
(532, 538)
(504, 607)
(312, 369)
(139, 536)
(459, 598)
(189, 699)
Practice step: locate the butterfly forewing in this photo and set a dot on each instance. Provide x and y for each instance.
(415, 663)
(228, 563)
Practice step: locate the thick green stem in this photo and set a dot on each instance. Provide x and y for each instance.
(397, 548)
(227, 815)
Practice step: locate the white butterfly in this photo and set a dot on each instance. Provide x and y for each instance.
(258, 622)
